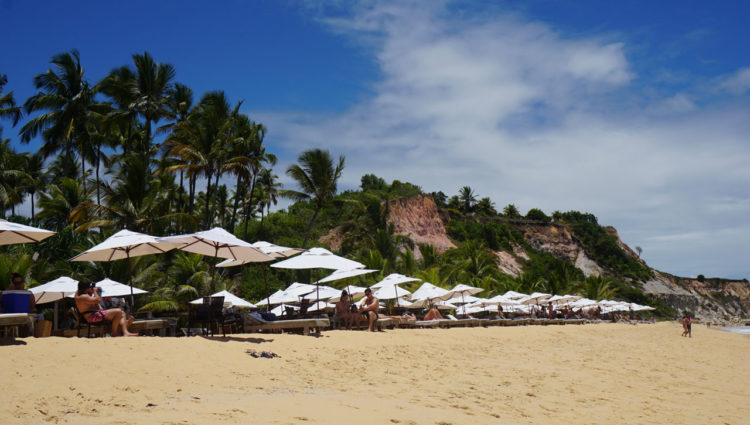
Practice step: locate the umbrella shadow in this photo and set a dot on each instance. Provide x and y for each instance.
(11, 341)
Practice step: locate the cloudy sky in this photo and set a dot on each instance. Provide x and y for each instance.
(635, 113)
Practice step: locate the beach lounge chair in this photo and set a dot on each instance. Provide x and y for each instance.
(10, 321)
(256, 323)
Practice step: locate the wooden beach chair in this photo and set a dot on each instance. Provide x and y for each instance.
(254, 323)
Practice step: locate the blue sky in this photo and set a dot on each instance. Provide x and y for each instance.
(635, 111)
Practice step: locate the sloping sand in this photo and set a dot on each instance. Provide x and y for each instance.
(591, 374)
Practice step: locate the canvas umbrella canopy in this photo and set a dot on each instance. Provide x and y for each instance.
(318, 258)
(124, 245)
(216, 243)
(444, 305)
(325, 293)
(280, 309)
(54, 290)
(392, 280)
(300, 288)
(229, 298)
(13, 233)
(429, 292)
(391, 292)
(343, 274)
(275, 251)
(462, 290)
(354, 292)
(111, 288)
(321, 306)
(513, 295)
(534, 298)
(562, 299)
(500, 300)
(279, 297)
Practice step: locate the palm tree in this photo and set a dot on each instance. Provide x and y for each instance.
(468, 198)
(58, 202)
(317, 177)
(153, 84)
(11, 176)
(71, 110)
(35, 179)
(271, 190)
(8, 108)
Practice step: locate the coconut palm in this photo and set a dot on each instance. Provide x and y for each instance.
(35, 180)
(11, 176)
(8, 108)
(58, 202)
(152, 87)
(317, 176)
(468, 198)
(70, 109)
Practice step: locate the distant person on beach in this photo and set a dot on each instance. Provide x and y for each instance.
(88, 301)
(500, 313)
(343, 311)
(433, 314)
(370, 309)
(690, 327)
(17, 284)
(551, 311)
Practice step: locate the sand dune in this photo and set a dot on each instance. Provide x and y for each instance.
(592, 374)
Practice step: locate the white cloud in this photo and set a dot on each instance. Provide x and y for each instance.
(738, 83)
(526, 115)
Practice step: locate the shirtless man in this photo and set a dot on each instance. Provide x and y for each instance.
(370, 308)
(88, 303)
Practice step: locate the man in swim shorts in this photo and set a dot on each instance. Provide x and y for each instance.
(88, 300)
(370, 309)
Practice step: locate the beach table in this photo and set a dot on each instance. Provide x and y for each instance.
(13, 320)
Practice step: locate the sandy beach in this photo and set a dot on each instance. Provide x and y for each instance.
(590, 374)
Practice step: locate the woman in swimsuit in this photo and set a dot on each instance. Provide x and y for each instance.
(88, 303)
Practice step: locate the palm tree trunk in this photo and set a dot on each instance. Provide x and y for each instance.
(181, 205)
(216, 200)
(309, 227)
(98, 159)
(208, 198)
(33, 221)
(249, 208)
(236, 200)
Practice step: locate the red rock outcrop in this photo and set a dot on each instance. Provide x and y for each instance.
(419, 219)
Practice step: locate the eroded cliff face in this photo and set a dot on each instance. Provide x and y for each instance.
(419, 219)
(714, 300)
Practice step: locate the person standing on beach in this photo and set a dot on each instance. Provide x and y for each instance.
(689, 326)
(684, 325)
(370, 309)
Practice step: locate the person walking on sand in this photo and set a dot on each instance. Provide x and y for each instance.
(370, 309)
(689, 326)
(88, 301)
(684, 325)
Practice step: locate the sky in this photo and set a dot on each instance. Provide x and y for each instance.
(635, 111)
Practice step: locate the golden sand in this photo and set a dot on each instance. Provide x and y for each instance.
(590, 374)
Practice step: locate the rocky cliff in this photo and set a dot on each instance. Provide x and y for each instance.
(716, 300)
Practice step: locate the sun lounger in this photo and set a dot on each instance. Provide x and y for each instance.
(11, 320)
(458, 323)
(387, 323)
(160, 325)
(253, 323)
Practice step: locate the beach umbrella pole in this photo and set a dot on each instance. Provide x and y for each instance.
(130, 280)
(268, 297)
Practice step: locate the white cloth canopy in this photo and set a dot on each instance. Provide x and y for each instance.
(429, 292)
(394, 279)
(500, 300)
(111, 288)
(321, 306)
(217, 242)
(444, 305)
(353, 291)
(343, 274)
(124, 244)
(390, 292)
(280, 297)
(462, 290)
(13, 233)
(513, 295)
(464, 299)
(281, 309)
(326, 292)
(229, 299)
(275, 251)
(54, 290)
(534, 298)
(300, 288)
(562, 299)
(318, 258)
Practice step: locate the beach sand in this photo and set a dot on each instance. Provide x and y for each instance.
(589, 374)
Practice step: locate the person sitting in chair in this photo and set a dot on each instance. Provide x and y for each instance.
(370, 309)
(88, 300)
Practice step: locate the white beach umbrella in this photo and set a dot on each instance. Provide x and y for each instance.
(321, 306)
(111, 288)
(216, 243)
(280, 297)
(394, 278)
(464, 299)
(325, 293)
(54, 290)
(444, 305)
(343, 274)
(13, 233)
(513, 295)
(429, 292)
(390, 292)
(534, 298)
(318, 258)
(275, 251)
(122, 246)
(562, 299)
(280, 309)
(229, 299)
(300, 288)
(500, 300)
(353, 291)
(462, 290)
